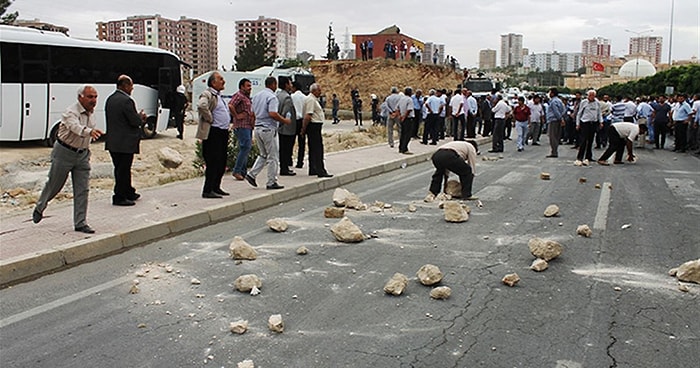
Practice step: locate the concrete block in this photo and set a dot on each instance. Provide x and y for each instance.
(286, 195)
(92, 247)
(391, 166)
(28, 265)
(363, 173)
(376, 170)
(346, 178)
(144, 233)
(308, 189)
(257, 203)
(188, 221)
(330, 183)
(224, 211)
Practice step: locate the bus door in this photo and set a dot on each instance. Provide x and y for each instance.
(35, 92)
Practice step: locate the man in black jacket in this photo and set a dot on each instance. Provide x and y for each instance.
(123, 139)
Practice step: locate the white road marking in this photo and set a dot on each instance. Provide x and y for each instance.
(601, 216)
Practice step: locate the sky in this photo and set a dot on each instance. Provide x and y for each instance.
(464, 27)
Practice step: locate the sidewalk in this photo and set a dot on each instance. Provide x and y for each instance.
(29, 250)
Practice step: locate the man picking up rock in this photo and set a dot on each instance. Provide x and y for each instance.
(458, 157)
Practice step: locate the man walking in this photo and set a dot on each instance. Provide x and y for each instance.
(243, 119)
(214, 121)
(313, 124)
(536, 120)
(521, 116)
(287, 132)
(267, 119)
(124, 127)
(71, 154)
(588, 119)
(555, 121)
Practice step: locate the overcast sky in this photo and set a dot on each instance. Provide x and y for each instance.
(464, 27)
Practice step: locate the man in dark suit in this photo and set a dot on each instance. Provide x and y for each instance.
(123, 139)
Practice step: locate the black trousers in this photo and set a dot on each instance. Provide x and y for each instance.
(214, 152)
(430, 131)
(301, 143)
(122, 176)
(471, 126)
(440, 127)
(660, 131)
(448, 160)
(498, 131)
(416, 122)
(488, 127)
(316, 165)
(680, 131)
(586, 132)
(458, 127)
(286, 151)
(405, 137)
(616, 145)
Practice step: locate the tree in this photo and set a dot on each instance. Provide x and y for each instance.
(7, 18)
(332, 48)
(256, 52)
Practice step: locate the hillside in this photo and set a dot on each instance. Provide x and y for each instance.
(378, 76)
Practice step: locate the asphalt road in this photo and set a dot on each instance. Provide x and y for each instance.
(606, 302)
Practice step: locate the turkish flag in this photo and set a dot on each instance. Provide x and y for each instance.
(598, 67)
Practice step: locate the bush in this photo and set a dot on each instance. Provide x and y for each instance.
(231, 154)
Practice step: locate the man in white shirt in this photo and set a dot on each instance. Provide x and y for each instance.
(471, 108)
(630, 110)
(457, 107)
(500, 111)
(536, 119)
(433, 107)
(458, 157)
(298, 98)
(621, 135)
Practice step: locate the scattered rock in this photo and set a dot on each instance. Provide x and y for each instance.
(388, 206)
(545, 249)
(684, 288)
(246, 283)
(539, 265)
(195, 281)
(441, 292)
(239, 249)
(443, 197)
(375, 209)
(275, 323)
(245, 364)
(544, 176)
(239, 327)
(453, 188)
(302, 250)
(412, 208)
(617, 288)
(340, 195)
(598, 186)
(429, 198)
(578, 163)
(672, 272)
(511, 279)
(584, 230)
(454, 212)
(396, 285)
(625, 226)
(254, 291)
(169, 158)
(16, 192)
(551, 210)
(141, 325)
(347, 232)
(169, 269)
(277, 225)
(334, 212)
(429, 275)
(689, 271)
(353, 201)
(134, 289)
(582, 180)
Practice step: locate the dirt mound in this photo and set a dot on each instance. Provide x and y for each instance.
(378, 76)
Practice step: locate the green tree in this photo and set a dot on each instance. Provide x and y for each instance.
(256, 52)
(7, 18)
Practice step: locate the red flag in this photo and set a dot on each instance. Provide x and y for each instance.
(598, 67)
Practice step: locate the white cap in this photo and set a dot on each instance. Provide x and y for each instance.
(180, 89)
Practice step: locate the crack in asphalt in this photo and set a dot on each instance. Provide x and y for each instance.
(613, 341)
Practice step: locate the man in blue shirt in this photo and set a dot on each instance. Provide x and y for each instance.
(555, 120)
(681, 120)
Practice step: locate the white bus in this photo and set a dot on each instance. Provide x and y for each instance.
(40, 73)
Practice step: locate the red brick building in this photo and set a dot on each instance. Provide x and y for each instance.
(391, 34)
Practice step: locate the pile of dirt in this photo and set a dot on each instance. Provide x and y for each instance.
(378, 76)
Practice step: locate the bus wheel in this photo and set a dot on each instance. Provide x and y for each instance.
(53, 136)
(149, 127)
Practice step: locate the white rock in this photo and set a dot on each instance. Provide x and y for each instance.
(689, 271)
(239, 327)
(455, 212)
(396, 285)
(254, 291)
(246, 283)
(584, 230)
(245, 364)
(195, 281)
(672, 272)
(275, 323)
(412, 207)
(429, 198)
(625, 226)
(545, 249)
(277, 225)
(511, 279)
(134, 289)
(453, 188)
(443, 197)
(684, 288)
(347, 232)
(539, 265)
(340, 195)
(551, 210)
(239, 249)
(429, 275)
(169, 158)
(441, 292)
(302, 250)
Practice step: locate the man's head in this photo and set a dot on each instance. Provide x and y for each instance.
(591, 95)
(553, 92)
(285, 83)
(296, 86)
(536, 99)
(315, 89)
(408, 91)
(394, 89)
(473, 143)
(438, 92)
(606, 98)
(87, 96)
(662, 99)
(271, 83)
(521, 100)
(578, 96)
(124, 83)
(419, 93)
(245, 86)
(216, 81)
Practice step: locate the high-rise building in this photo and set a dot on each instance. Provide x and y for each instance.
(487, 59)
(554, 61)
(595, 49)
(283, 35)
(511, 50)
(649, 46)
(193, 40)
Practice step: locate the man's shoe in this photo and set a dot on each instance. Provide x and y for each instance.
(407, 153)
(551, 156)
(603, 162)
(37, 216)
(251, 180)
(520, 149)
(586, 162)
(618, 162)
(211, 195)
(123, 202)
(325, 175)
(299, 165)
(471, 198)
(238, 176)
(275, 186)
(220, 192)
(288, 173)
(85, 229)
(535, 144)
(433, 143)
(134, 197)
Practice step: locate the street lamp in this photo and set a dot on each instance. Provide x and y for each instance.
(636, 65)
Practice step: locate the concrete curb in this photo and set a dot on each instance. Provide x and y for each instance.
(27, 267)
